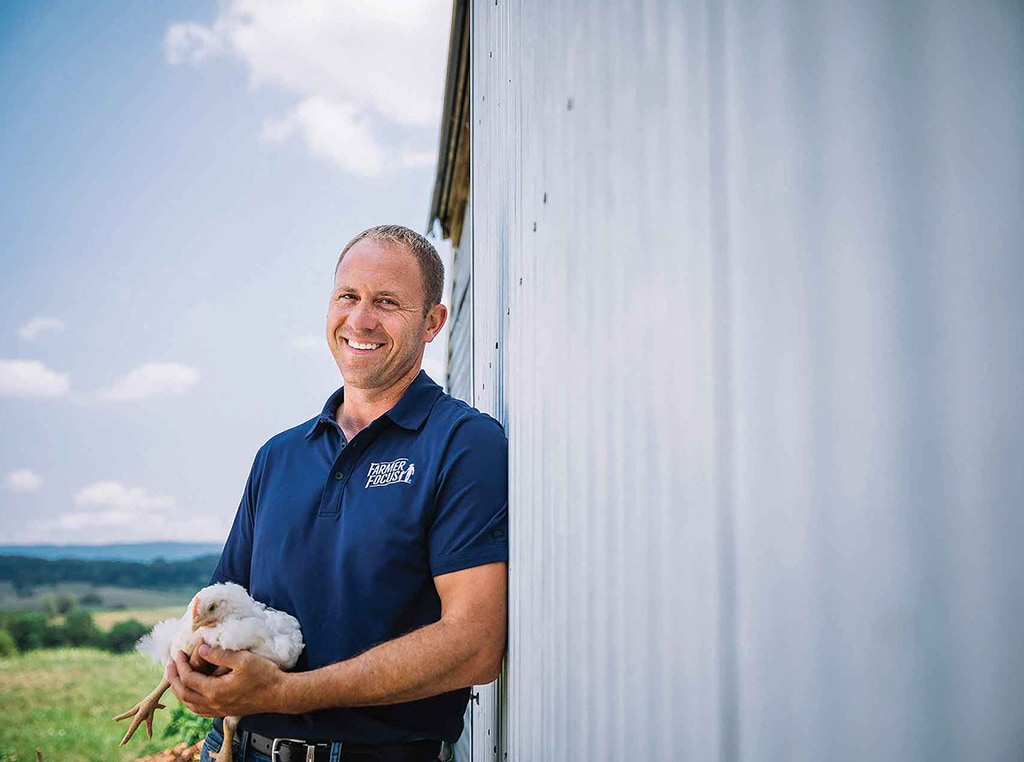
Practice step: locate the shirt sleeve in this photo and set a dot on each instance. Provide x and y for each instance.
(236, 558)
(470, 526)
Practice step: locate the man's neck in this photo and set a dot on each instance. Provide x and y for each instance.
(361, 407)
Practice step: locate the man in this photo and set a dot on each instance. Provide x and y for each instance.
(381, 525)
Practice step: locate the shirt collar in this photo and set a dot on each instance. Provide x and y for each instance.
(326, 416)
(412, 409)
(409, 412)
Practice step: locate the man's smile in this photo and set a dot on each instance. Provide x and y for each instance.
(357, 345)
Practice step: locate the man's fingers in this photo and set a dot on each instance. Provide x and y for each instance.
(221, 657)
(230, 685)
(198, 662)
(191, 699)
(196, 703)
(188, 685)
(173, 671)
(220, 660)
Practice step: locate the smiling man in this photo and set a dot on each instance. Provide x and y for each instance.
(381, 525)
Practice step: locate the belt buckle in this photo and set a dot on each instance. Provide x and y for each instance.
(275, 748)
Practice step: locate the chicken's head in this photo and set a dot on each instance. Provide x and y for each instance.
(216, 603)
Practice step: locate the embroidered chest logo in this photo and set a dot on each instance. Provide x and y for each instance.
(395, 472)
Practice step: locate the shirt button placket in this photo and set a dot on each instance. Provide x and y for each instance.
(337, 478)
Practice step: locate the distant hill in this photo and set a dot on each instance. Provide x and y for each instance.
(143, 551)
(26, 573)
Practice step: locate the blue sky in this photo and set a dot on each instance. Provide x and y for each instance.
(178, 180)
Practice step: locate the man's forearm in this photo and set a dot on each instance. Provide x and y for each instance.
(434, 659)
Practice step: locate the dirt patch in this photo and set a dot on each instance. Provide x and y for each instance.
(179, 753)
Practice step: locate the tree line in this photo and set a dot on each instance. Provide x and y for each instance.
(26, 631)
(25, 572)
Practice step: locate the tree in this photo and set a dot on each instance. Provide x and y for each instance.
(7, 645)
(80, 630)
(29, 631)
(124, 635)
(56, 604)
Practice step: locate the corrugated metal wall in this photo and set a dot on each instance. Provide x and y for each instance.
(747, 293)
(460, 335)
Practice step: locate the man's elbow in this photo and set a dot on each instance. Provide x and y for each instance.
(486, 664)
(488, 667)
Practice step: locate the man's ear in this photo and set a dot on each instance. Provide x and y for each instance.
(435, 322)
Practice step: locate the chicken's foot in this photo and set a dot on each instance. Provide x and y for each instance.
(143, 711)
(225, 755)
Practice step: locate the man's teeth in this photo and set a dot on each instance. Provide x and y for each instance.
(357, 345)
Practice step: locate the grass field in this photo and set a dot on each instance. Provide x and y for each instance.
(107, 619)
(110, 597)
(62, 701)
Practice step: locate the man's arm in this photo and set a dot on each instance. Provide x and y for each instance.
(465, 647)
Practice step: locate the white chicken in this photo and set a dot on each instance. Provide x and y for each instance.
(221, 615)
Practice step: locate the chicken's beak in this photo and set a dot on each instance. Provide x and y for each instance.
(198, 620)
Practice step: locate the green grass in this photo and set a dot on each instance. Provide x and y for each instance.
(62, 701)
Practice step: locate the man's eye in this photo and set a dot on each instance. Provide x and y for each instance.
(389, 302)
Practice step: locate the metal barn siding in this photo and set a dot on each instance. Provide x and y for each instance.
(746, 289)
(460, 336)
(614, 620)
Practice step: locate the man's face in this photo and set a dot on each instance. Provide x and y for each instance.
(376, 328)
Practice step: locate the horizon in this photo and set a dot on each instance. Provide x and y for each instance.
(103, 544)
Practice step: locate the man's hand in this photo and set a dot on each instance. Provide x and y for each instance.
(242, 683)
(199, 664)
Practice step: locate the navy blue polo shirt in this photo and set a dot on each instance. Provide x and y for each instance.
(348, 536)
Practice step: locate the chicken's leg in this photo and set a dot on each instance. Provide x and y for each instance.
(225, 755)
(143, 711)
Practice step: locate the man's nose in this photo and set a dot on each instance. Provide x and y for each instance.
(362, 317)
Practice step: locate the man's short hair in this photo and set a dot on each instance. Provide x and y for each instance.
(431, 267)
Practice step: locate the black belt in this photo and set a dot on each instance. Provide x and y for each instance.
(295, 750)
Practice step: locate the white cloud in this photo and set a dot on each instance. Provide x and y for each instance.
(191, 43)
(110, 505)
(40, 325)
(31, 379)
(307, 342)
(23, 480)
(109, 511)
(109, 526)
(333, 131)
(118, 497)
(408, 158)
(348, 62)
(159, 379)
(339, 133)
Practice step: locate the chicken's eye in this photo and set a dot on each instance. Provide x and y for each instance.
(211, 607)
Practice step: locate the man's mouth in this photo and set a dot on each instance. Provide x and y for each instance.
(357, 345)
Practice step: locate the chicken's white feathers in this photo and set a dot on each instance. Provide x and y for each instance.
(224, 615)
(162, 640)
